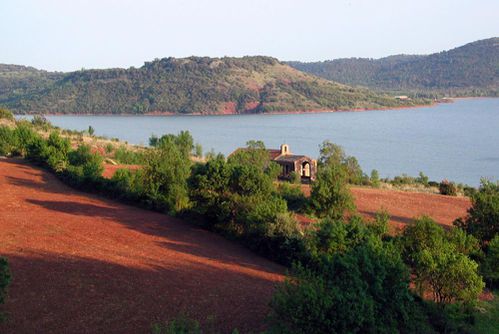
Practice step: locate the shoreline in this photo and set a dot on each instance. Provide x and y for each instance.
(295, 112)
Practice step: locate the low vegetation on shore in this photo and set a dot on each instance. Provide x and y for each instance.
(348, 274)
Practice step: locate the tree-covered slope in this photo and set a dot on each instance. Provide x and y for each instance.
(190, 85)
(16, 80)
(472, 69)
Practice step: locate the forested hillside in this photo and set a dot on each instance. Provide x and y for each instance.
(472, 70)
(188, 85)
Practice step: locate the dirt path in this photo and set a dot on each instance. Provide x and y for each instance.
(82, 264)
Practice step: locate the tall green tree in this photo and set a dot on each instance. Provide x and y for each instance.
(439, 265)
(166, 171)
(330, 195)
(483, 216)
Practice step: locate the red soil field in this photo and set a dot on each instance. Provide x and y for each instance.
(404, 206)
(109, 170)
(83, 264)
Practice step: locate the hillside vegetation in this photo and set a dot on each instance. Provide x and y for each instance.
(189, 85)
(472, 69)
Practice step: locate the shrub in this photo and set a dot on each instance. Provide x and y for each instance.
(24, 135)
(294, 178)
(129, 157)
(423, 179)
(403, 179)
(109, 148)
(8, 141)
(294, 196)
(6, 114)
(166, 171)
(364, 290)
(330, 195)
(374, 179)
(332, 154)
(85, 163)
(482, 220)
(39, 121)
(255, 154)
(447, 188)
(490, 265)
(439, 264)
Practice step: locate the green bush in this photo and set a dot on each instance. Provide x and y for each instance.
(364, 290)
(129, 157)
(440, 262)
(490, 265)
(24, 135)
(482, 220)
(86, 164)
(166, 171)
(447, 188)
(374, 179)
(6, 114)
(332, 154)
(330, 195)
(294, 196)
(8, 141)
(40, 122)
(423, 179)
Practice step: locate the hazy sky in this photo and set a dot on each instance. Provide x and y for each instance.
(72, 34)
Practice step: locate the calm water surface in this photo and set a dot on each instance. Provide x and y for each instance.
(458, 141)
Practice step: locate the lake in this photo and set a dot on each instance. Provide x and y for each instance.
(458, 141)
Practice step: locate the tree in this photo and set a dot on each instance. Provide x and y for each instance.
(85, 163)
(330, 153)
(91, 131)
(482, 220)
(330, 195)
(254, 154)
(490, 265)
(438, 264)
(375, 182)
(166, 171)
(364, 290)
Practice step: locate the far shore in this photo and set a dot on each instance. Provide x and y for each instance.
(313, 111)
(295, 112)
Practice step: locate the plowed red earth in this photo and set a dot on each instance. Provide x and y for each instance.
(83, 264)
(404, 206)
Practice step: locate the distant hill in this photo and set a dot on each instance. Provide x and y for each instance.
(472, 69)
(19, 80)
(185, 86)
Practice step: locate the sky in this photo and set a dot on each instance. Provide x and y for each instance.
(66, 35)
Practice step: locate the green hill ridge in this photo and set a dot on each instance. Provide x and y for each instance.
(194, 85)
(469, 70)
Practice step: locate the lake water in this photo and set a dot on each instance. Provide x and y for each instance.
(458, 141)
